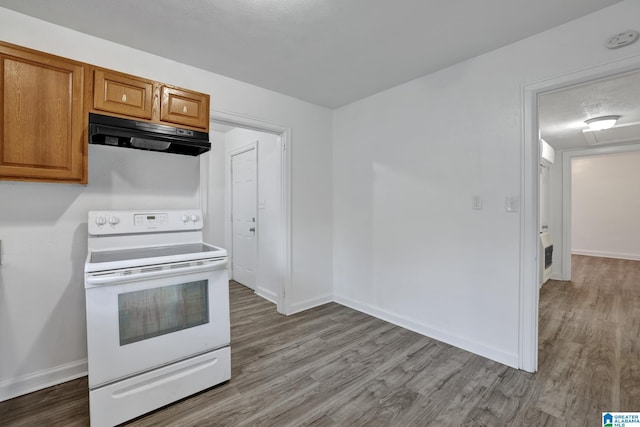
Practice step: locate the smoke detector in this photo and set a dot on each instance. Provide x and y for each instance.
(622, 39)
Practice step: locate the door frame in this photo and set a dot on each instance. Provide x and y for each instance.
(567, 157)
(529, 202)
(284, 133)
(229, 212)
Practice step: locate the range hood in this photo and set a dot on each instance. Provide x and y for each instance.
(117, 132)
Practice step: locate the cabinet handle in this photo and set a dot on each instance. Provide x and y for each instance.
(184, 109)
(124, 97)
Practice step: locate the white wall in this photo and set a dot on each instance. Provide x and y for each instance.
(545, 194)
(269, 231)
(43, 228)
(42, 328)
(214, 175)
(407, 245)
(555, 215)
(605, 205)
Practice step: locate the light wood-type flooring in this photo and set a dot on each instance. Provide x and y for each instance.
(333, 366)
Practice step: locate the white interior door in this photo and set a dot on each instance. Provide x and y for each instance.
(243, 216)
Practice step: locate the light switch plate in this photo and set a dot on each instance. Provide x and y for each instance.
(476, 202)
(512, 204)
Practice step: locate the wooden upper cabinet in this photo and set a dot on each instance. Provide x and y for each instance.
(122, 94)
(184, 107)
(129, 96)
(44, 106)
(42, 117)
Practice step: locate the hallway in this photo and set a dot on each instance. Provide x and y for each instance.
(590, 338)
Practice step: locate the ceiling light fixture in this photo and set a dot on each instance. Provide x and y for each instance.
(602, 123)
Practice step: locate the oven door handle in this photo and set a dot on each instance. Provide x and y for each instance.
(152, 272)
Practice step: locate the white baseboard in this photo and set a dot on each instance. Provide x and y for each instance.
(506, 358)
(15, 387)
(267, 294)
(310, 303)
(556, 276)
(603, 254)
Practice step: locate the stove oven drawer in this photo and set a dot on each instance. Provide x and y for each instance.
(129, 398)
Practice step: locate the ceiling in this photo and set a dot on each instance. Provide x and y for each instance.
(327, 52)
(562, 113)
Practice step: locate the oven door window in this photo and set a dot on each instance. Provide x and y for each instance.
(153, 312)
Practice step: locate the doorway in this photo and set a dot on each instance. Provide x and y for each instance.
(253, 188)
(530, 220)
(272, 235)
(601, 219)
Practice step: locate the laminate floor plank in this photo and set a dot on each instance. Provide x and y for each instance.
(535, 418)
(303, 358)
(338, 377)
(333, 366)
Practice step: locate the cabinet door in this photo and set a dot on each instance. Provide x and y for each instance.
(41, 112)
(122, 94)
(184, 107)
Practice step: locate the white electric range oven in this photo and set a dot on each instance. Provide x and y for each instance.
(157, 312)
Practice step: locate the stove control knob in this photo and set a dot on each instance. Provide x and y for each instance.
(114, 220)
(101, 220)
(184, 218)
(194, 218)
